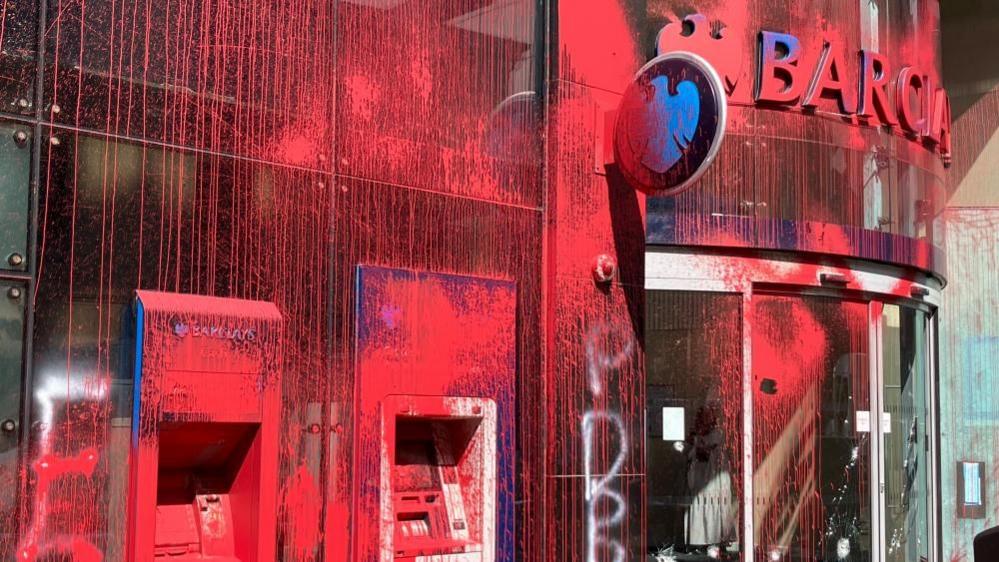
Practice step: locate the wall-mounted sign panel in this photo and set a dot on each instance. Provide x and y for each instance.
(15, 190)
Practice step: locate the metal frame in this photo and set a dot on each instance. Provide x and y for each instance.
(747, 425)
(932, 381)
(710, 273)
(876, 378)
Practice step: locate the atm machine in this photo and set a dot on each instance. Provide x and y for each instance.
(438, 478)
(433, 418)
(203, 461)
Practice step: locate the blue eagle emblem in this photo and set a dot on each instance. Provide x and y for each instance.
(669, 124)
(673, 121)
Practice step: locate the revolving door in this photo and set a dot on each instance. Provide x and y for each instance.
(789, 412)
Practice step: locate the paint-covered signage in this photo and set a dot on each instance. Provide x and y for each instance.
(670, 123)
(672, 116)
(908, 101)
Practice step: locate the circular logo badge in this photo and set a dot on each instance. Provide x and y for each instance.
(670, 123)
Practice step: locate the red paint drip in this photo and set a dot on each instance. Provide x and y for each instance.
(302, 503)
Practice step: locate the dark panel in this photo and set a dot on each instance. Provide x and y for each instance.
(13, 301)
(15, 189)
(18, 56)
(248, 78)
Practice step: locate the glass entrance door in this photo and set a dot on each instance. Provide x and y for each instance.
(906, 435)
(694, 413)
(811, 429)
(788, 418)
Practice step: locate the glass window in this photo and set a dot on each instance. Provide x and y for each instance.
(694, 432)
(458, 79)
(811, 429)
(906, 434)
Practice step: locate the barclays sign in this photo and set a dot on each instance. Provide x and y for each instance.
(670, 123)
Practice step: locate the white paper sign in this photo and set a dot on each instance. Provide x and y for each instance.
(673, 427)
(885, 422)
(972, 483)
(863, 421)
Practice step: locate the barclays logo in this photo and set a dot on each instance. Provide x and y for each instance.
(670, 123)
(194, 329)
(676, 117)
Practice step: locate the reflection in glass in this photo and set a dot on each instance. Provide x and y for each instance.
(906, 437)
(694, 431)
(810, 429)
(458, 79)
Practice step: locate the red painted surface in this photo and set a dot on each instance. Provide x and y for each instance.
(263, 150)
(421, 339)
(720, 48)
(822, 168)
(882, 191)
(831, 81)
(52, 467)
(203, 464)
(782, 77)
(816, 351)
(302, 512)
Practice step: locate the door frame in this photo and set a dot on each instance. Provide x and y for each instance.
(716, 273)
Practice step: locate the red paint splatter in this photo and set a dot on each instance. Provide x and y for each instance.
(79, 550)
(302, 503)
(51, 467)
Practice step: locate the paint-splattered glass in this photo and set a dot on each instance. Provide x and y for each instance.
(694, 425)
(906, 434)
(811, 429)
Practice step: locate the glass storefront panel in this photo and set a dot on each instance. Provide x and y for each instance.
(694, 425)
(906, 430)
(811, 429)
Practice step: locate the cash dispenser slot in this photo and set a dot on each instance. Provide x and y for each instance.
(442, 475)
(204, 478)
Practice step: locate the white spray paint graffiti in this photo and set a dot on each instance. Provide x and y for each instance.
(57, 391)
(599, 488)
